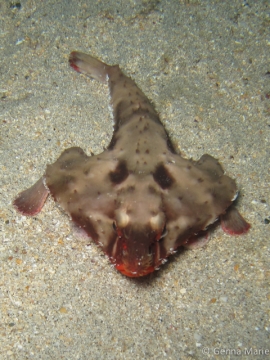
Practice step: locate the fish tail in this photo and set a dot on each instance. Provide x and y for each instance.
(89, 65)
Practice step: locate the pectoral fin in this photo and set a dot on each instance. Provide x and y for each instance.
(31, 201)
(233, 223)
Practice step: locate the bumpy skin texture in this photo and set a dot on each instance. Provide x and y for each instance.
(138, 200)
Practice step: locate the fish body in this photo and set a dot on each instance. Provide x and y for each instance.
(139, 200)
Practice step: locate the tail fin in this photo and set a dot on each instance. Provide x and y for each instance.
(89, 65)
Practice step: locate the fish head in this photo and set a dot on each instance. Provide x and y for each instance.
(137, 247)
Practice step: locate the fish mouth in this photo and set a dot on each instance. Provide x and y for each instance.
(135, 254)
(136, 266)
(134, 273)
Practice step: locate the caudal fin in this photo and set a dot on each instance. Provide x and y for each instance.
(31, 201)
(88, 65)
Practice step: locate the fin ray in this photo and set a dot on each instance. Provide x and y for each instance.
(31, 201)
(233, 223)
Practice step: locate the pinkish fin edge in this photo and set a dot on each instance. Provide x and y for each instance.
(30, 201)
(233, 223)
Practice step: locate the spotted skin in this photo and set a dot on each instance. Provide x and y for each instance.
(138, 200)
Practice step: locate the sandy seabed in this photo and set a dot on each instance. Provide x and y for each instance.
(205, 66)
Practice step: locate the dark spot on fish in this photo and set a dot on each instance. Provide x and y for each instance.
(162, 177)
(144, 112)
(200, 180)
(151, 189)
(137, 151)
(120, 173)
(131, 188)
(68, 179)
(213, 193)
(147, 151)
